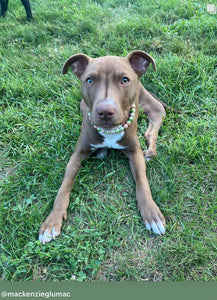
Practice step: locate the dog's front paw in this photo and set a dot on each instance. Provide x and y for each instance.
(156, 226)
(51, 227)
(153, 219)
(149, 154)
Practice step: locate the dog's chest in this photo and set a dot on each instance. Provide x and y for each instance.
(110, 141)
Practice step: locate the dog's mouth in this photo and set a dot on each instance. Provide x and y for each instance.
(107, 125)
(112, 127)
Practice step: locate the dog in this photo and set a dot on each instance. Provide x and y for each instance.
(112, 96)
(26, 4)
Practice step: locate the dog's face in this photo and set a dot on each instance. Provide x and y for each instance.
(109, 84)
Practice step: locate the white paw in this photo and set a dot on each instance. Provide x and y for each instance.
(47, 236)
(157, 227)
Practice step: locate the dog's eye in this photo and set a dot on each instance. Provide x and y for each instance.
(125, 80)
(89, 81)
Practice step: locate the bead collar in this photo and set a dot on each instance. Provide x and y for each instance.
(119, 128)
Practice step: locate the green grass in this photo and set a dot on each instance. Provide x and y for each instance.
(104, 238)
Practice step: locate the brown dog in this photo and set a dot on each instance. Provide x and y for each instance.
(112, 94)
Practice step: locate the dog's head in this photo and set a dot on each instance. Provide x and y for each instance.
(109, 84)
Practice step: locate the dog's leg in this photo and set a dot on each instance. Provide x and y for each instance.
(155, 113)
(52, 225)
(151, 214)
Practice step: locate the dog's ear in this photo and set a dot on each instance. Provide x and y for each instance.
(140, 61)
(78, 63)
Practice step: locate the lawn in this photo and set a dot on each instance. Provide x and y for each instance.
(104, 238)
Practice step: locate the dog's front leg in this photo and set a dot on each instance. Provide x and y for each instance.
(151, 214)
(51, 227)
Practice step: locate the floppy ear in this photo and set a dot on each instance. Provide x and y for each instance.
(78, 63)
(140, 61)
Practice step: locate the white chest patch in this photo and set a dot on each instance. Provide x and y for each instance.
(110, 141)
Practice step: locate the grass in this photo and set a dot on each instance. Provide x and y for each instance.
(104, 238)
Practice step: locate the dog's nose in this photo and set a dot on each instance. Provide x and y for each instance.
(105, 111)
